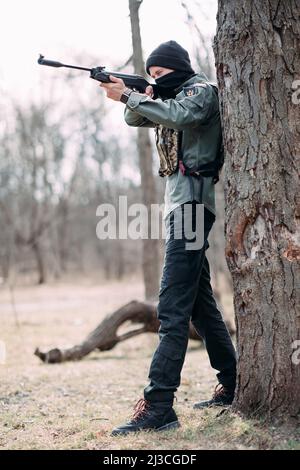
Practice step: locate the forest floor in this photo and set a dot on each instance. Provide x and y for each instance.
(76, 405)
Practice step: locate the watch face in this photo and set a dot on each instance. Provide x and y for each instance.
(125, 96)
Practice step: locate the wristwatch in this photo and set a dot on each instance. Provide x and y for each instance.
(125, 95)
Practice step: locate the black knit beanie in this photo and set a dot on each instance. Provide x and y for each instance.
(170, 55)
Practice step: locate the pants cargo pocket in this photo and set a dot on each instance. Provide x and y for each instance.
(170, 364)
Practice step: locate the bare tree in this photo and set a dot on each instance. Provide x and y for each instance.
(257, 55)
(202, 42)
(34, 155)
(150, 246)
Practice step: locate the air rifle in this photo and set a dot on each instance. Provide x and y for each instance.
(135, 82)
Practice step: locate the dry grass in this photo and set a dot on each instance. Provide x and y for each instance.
(75, 405)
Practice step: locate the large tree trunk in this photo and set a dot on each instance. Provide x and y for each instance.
(257, 56)
(149, 193)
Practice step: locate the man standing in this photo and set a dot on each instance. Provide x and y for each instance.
(186, 117)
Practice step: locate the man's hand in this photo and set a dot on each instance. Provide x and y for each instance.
(115, 89)
(149, 91)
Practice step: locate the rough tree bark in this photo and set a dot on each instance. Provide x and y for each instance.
(257, 57)
(106, 336)
(150, 246)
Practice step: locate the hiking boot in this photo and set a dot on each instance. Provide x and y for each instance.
(222, 397)
(149, 416)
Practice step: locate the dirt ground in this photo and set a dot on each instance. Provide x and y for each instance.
(76, 405)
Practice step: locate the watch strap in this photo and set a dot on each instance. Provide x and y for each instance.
(125, 95)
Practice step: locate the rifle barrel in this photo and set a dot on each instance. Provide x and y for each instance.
(76, 67)
(52, 63)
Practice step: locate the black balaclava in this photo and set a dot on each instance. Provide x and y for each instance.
(170, 55)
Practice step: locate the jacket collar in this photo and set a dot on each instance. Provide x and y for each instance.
(195, 78)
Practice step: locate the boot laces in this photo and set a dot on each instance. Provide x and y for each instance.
(220, 391)
(140, 409)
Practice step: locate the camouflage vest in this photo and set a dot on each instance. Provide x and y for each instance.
(167, 143)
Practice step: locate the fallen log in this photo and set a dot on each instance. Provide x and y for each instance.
(105, 336)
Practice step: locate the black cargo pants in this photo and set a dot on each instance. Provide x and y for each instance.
(186, 294)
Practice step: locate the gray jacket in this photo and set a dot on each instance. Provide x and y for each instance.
(195, 111)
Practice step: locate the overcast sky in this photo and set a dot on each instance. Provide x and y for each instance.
(59, 28)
